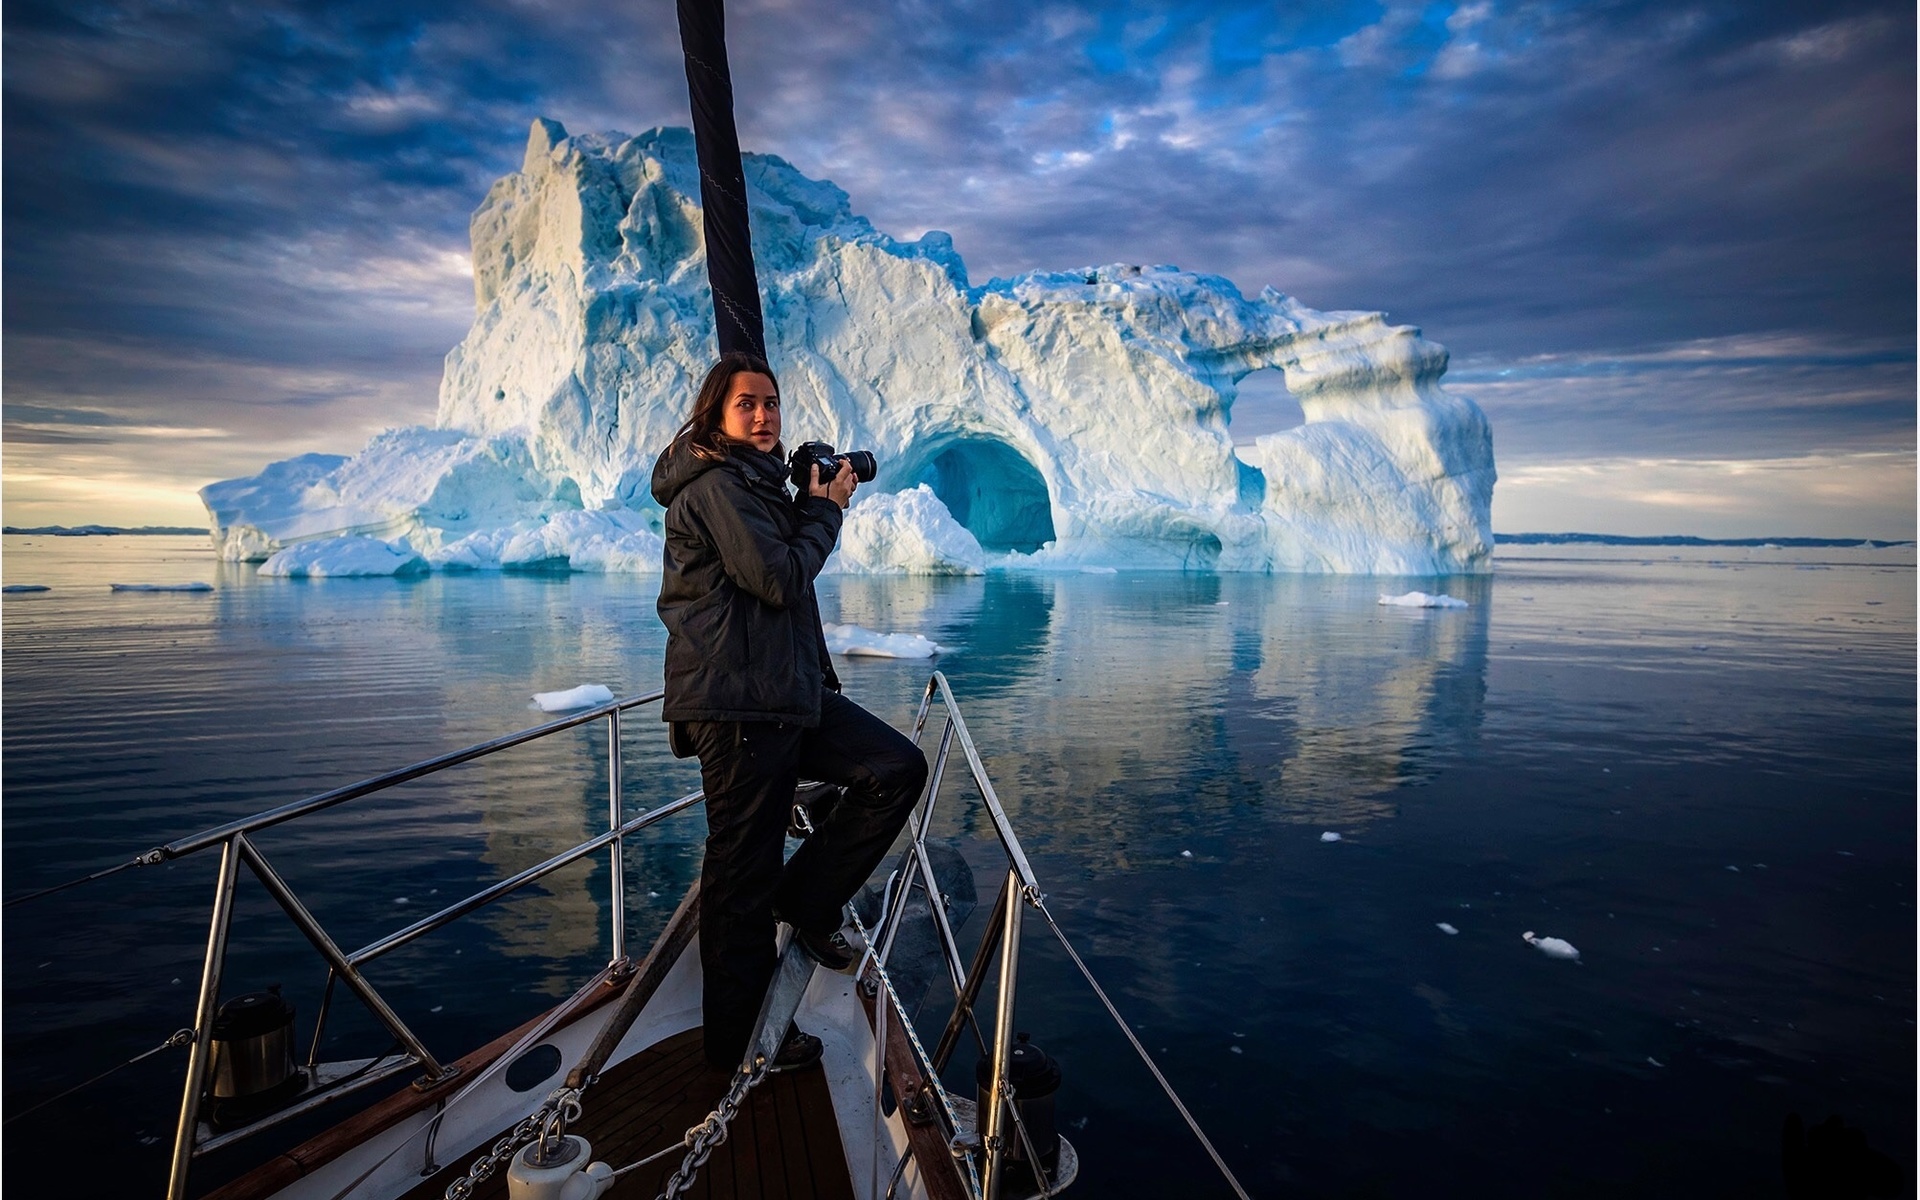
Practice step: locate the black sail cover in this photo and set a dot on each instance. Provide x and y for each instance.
(723, 185)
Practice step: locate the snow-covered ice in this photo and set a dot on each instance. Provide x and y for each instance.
(1552, 947)
(1053, 420)
(160, 587)
(1422, 600)
(1329, 836)
(909, 532)
(854, 640)
(585, 696)
(344, 556)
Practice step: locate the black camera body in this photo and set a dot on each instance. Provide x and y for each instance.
(818, 454)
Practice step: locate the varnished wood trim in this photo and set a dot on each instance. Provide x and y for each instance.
(939, 1173)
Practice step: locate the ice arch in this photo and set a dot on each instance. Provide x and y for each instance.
(994, 492)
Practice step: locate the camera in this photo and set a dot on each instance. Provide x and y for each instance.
(812, 454)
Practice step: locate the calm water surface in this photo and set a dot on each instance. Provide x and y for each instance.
(1699, 770)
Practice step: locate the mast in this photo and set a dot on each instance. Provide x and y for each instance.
(723, 185)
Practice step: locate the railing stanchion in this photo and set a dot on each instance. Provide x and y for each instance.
(993, 1121)
(618, 861)
(201, 1051)
(349, 974)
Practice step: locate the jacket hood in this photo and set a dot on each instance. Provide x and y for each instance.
(679, 466)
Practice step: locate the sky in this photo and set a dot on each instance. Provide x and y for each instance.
(1670, 245)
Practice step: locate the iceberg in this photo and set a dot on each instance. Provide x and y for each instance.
(344, 556)
(1054, 420)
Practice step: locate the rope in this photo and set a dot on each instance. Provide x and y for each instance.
(178, 1037)
(1142, 1052)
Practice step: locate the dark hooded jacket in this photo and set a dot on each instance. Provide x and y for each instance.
(744, 641)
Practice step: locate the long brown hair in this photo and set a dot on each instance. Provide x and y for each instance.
(702, 433)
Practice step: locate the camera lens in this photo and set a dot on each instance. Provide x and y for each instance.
(864, 466)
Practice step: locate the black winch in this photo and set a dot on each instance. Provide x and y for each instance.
(1034, 1077)
(253, 1069)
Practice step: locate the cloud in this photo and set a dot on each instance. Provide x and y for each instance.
(1817, 495)
(264, 197)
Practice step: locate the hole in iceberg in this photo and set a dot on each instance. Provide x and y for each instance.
(1262, 405)
(994, 492)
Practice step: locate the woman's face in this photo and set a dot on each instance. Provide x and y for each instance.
(751, 412)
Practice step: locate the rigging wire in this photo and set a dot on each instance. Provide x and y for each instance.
(144, 860)
(178, 1037)
(1142, 1052)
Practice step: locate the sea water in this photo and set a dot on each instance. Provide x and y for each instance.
(1696, 767)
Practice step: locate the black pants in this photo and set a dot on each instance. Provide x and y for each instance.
(749, 769)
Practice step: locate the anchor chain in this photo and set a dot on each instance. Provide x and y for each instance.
(702, 1138)
(551, 1120)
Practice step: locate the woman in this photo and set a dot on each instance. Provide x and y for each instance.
(752, 691)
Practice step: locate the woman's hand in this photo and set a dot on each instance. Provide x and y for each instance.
(839, 489)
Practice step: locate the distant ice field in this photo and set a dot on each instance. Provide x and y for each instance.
(1696, 766)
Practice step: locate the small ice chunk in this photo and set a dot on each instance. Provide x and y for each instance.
(1447, 929)
(1099, 570)
(1734, 869)
(1186, 854)
(160, 587)
(26, 587)
(585, 696)
(1656, 1062)
(149, 1139)
(1234, 1050)
(400, 900)
(1222, 603)
(1700, 646)
(853, 640)
(176, 979)
(436, 1008)
(1422, 600)
(1552, 947)
(1329, 836)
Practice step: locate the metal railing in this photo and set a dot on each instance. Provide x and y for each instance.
(1019, 890)
(236, 847)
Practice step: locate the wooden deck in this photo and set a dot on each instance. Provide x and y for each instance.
(783, 1143)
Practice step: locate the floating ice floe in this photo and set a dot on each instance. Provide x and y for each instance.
(585, 696)
(1422, 600)
(853, 640)
(1552, 947)
(345, 557)
(1329, 836)
(1186, 854)
(26, 587)
(160, 587)
(1447, 929)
